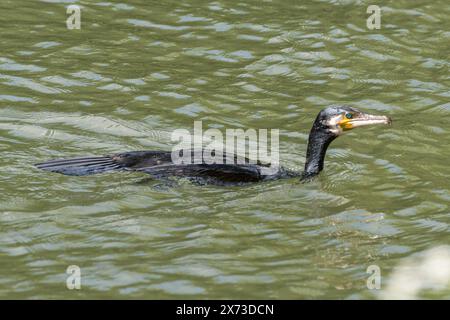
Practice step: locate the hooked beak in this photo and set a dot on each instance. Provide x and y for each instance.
(363, 119)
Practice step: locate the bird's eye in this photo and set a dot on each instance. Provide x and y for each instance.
(348, 115)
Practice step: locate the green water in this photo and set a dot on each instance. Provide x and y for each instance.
(138, 70)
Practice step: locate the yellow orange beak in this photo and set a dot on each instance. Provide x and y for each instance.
(363, 119)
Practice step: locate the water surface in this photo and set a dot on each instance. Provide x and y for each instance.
(138, 70)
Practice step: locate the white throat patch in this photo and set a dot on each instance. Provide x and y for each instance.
(333, 125)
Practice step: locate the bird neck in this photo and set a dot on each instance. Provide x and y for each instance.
(318, 143)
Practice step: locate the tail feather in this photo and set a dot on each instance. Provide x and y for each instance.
(80, 166)
(75, 160)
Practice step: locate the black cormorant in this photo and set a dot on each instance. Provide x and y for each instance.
(330, 123)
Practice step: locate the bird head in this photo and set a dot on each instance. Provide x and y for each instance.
(335, 120)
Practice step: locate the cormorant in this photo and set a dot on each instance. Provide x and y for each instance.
(329, 124)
